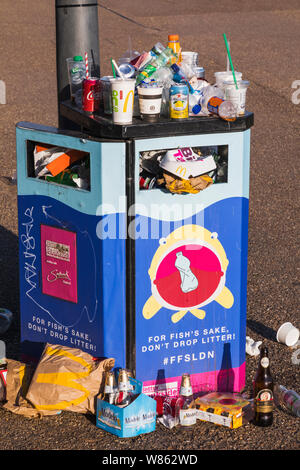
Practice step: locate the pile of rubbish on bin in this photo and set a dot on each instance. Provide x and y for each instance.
(165, 82)
(69, 379)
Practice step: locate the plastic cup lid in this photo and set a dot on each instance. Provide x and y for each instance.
(242, 83)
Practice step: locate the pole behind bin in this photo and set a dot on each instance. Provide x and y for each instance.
(77, 32)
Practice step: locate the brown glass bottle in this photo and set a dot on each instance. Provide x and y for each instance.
(263, 391)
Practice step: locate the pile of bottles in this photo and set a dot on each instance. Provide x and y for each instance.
(186, 92)
(120, 393)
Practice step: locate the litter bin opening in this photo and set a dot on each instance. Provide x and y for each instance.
(195, 167)
(58, 165)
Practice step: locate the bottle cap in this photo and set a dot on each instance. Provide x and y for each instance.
(196, 109)
(175, 68)
(173, 37)
(77, 58)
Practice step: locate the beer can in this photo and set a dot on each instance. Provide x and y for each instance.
(179, 101)
(91, 88)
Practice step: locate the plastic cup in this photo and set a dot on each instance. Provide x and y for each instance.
(150, 103)
(190, 57)
(238, 97)
(122, 95)
(225, 76)
(76, 75)
(106, 94)
(287, 334)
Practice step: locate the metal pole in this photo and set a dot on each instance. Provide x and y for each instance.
(77, 32)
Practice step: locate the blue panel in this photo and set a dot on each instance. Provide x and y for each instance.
(96, 322)
(170, 349)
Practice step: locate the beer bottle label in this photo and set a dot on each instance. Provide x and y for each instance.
(264, 401)
(186, 391)
(188, 417)
(265, 362)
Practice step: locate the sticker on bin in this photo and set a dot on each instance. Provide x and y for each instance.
(185, 163)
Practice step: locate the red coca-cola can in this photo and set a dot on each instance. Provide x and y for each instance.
(91, 88)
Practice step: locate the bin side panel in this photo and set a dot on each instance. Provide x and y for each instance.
(69, 279)
(72, 275)
(201, 331)
(192, 285)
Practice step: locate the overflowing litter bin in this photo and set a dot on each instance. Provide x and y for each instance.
(123, 266)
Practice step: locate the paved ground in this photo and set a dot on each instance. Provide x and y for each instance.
(265, 47)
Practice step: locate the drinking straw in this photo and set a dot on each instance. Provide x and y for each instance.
(231, 64)
(117, 69)
(113, 68)
(86, 65)
(227, 60)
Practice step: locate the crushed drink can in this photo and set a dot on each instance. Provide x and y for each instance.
(91, 88)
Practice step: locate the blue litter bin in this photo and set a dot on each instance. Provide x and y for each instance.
(154, 279)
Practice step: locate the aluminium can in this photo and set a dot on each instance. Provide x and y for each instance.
(91, 91)
(179, 101)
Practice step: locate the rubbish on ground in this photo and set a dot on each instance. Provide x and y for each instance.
(252, 347)
(225, 409)
(110, 388)
(2, 352)
(288, 398)
(3, 371)
(124, 395)
(263, 391)
(185, 408)
(75, 391)
(18, 379)
(137, 417)
(287, 334)
(3, 375)
(6, 318)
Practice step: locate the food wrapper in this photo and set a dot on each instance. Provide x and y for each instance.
(67, 379)
(224, 409)
(179, 186)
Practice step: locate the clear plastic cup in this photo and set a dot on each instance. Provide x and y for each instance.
(77, 73)
(122, 92)
(236, 96)
(106, 93)
(225, 76)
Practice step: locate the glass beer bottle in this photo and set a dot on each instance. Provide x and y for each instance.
(109, 388)
(124, 394)
(185, 411)
(263, 391)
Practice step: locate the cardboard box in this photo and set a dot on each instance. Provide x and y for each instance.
(137, 418)
(224, 409)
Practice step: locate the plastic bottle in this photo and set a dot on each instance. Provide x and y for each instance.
(163, 59)
(189, 281)
(174, 44)
(6, 318)
(213, 102)
(289, 398)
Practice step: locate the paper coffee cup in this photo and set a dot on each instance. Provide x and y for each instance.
(150, 103)
(122, 96)
(236, 96)
(225, 76)
(287, 334)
